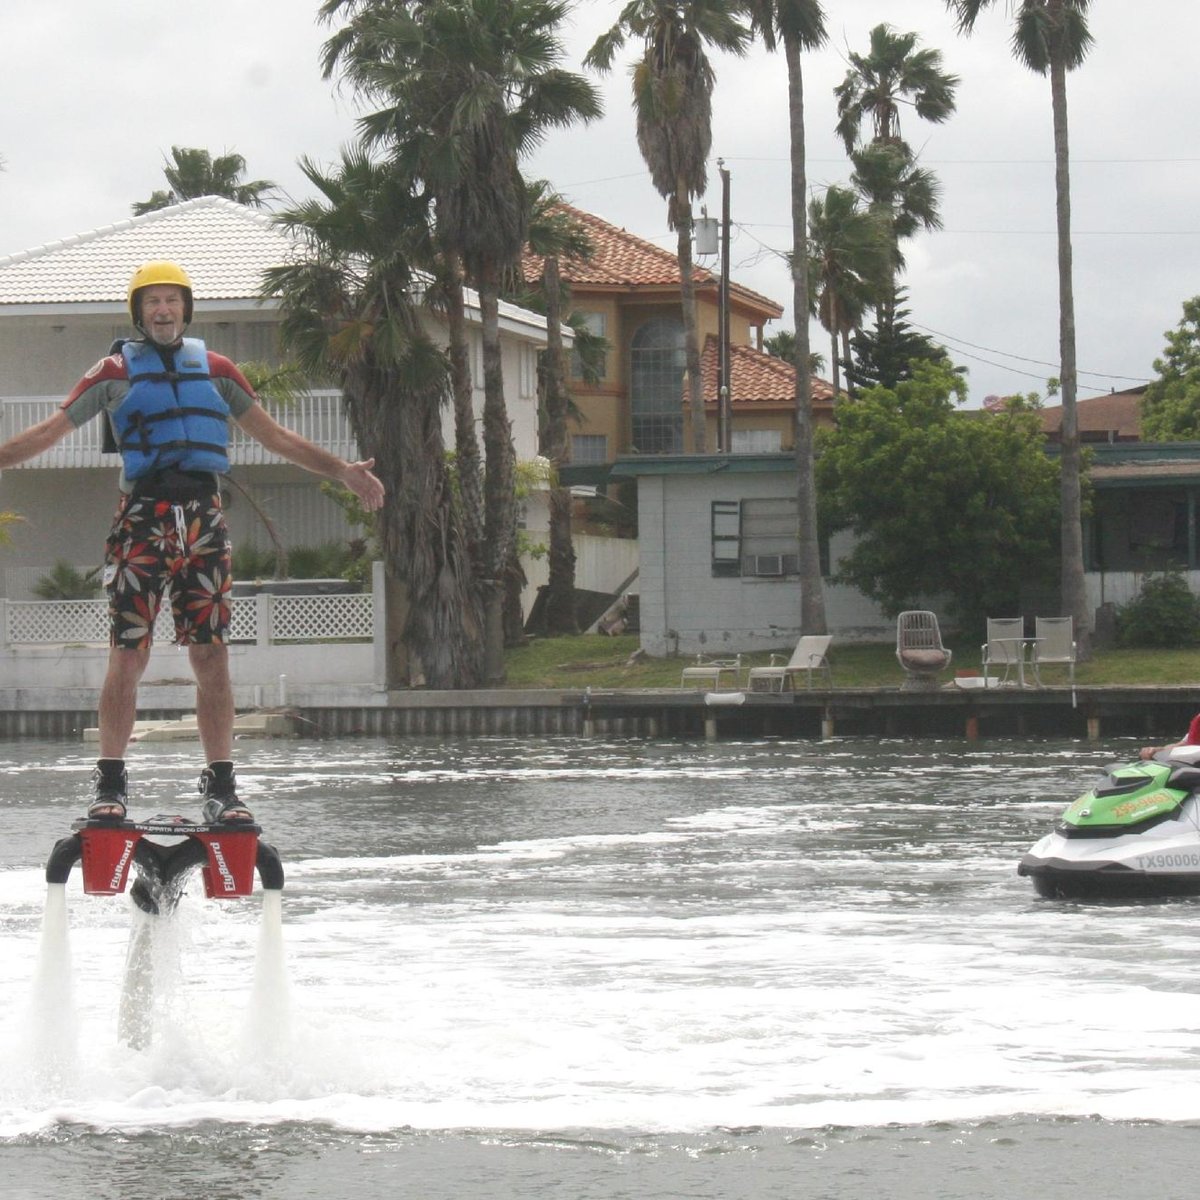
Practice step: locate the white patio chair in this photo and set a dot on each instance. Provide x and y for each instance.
(1054, 642)
(811, 654)
(1005, 647)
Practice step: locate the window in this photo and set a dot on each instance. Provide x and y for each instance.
(528, 372)
(726, 537)
(595, 323)
(770, 537)
(755, 539)
(757, 441)
(656, 387)
(589, 448)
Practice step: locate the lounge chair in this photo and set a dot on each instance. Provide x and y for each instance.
(811, 654)
(1005, 647)
(920, 651)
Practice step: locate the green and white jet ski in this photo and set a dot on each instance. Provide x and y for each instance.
(1136, 833)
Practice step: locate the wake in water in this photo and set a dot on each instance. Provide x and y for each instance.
(169, 1036)
(628, 938)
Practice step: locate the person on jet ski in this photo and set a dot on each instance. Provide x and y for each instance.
(1191, 738)
(171, 402)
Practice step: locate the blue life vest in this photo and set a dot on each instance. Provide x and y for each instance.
(171, 418)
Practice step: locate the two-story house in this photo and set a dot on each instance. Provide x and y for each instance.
(628, 292)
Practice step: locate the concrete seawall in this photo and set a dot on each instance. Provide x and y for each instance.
(1092, 713)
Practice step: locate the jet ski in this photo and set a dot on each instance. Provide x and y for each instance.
(162, 853)
(1136, 833)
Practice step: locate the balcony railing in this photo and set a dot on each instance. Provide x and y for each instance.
(316, 415)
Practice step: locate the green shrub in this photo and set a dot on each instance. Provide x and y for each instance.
(1164, 613)
(327, 561)
(250, 563)
(66, 583)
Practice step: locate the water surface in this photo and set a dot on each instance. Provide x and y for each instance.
(555, 967)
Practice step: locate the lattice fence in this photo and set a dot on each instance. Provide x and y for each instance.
(293, 619)
(321, 618)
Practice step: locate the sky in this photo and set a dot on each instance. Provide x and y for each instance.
(99, 93)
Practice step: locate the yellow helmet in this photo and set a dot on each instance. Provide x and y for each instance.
(159, 271)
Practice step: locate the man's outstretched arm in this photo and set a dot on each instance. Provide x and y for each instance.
(29, 443)
(357, 476)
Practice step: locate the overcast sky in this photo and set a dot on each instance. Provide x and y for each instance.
(98, 93)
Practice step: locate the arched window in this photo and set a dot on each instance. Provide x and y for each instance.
(656, 386)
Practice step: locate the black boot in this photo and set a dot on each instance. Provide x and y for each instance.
(219, 789)
(111, 788)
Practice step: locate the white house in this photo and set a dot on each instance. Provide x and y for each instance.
(62, 304)
(719, 557)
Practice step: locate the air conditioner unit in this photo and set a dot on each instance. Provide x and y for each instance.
(768, 564)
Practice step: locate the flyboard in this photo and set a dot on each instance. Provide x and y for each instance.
(163, 852)
(161, 855)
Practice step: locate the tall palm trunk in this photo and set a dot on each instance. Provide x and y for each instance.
(1074, 586)
(499, 495)
(812, 589)
(560, 614)
(466, 441)
(432, 606)
(691, 337)
(835, 359)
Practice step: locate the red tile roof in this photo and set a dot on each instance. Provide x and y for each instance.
(757, 378)
(624, 261)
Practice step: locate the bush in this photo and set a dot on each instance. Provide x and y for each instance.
(251, 563)
(1164, 614)
(66, 583)
(331, 560)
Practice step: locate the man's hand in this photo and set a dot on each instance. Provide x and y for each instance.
(359, 478)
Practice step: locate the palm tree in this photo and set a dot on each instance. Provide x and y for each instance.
(850, 250)
(783, 345)
(1051, 37)
(894, 72)
(555, 235)
(672, 98)
(348, 313)
(379, 51)
(194, 172)
(468, 88)
(800, 26)
(904, 195)
(878, 84)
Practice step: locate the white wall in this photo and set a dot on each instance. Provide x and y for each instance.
(685, 610)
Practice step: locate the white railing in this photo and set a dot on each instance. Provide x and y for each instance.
(264, 619)
(318, 415)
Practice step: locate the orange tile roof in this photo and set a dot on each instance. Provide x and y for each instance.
(621, 260)
(757, 378)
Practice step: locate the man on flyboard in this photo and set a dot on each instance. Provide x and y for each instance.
(169, 401)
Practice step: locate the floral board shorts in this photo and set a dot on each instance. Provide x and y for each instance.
(177, 546)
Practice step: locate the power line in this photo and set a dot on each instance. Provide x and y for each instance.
(1035, 232)
(981, 162)
(1021, 358)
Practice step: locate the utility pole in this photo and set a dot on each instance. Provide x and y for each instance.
(724, 394)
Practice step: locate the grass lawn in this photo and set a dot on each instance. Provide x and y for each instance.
(613, 662)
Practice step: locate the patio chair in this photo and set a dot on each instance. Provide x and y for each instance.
(708, 671)
(811, 654)
(920, 651)
(1053, 642)
(1005, 647)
